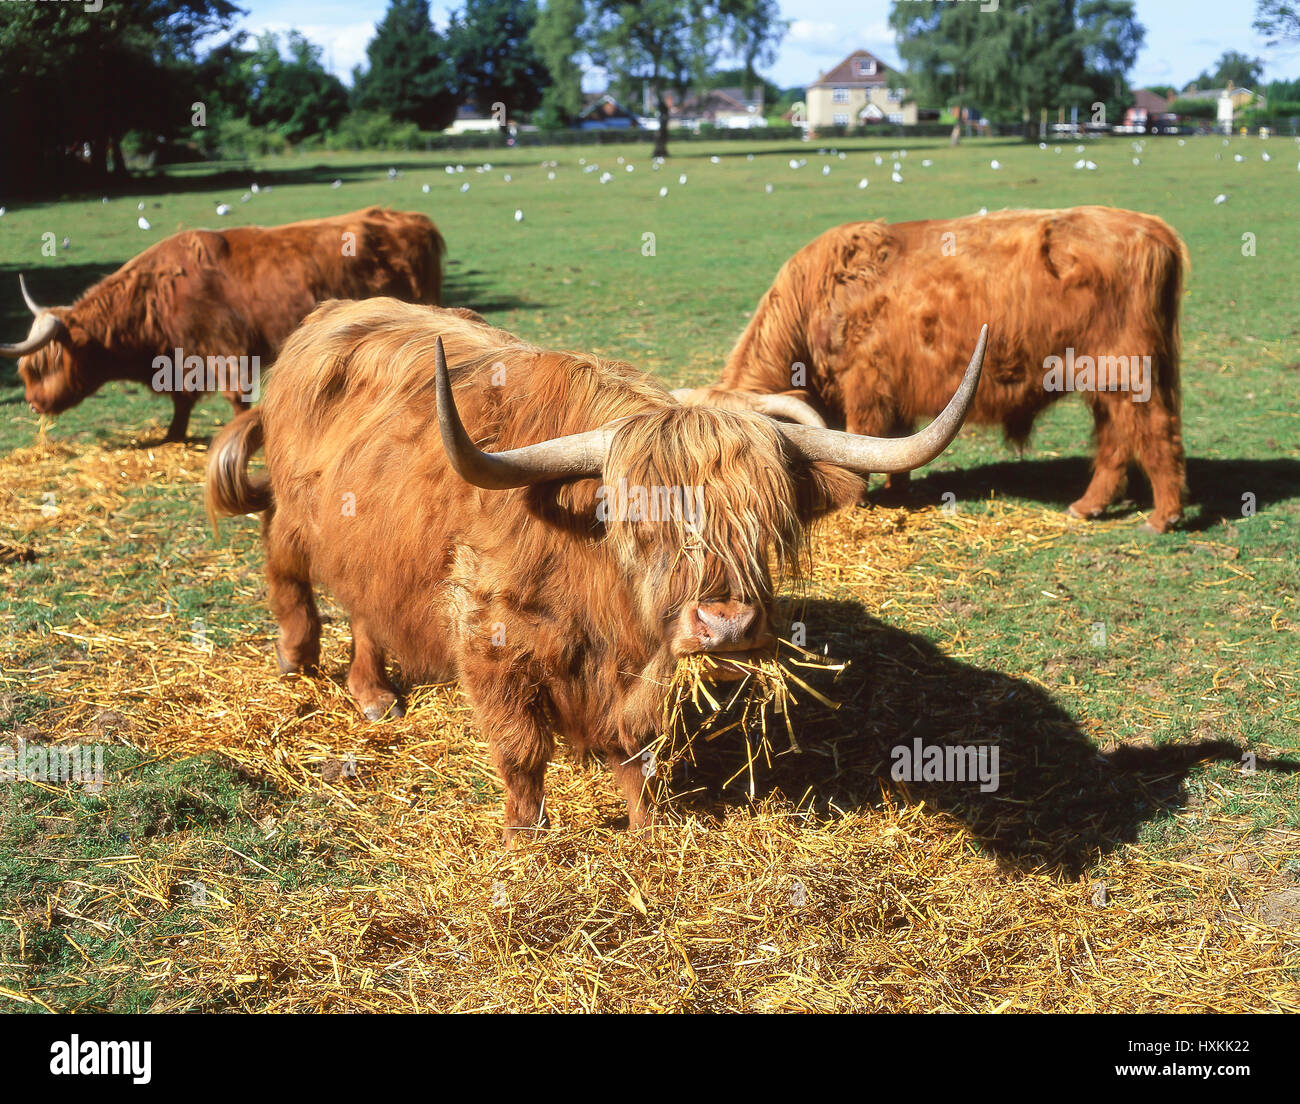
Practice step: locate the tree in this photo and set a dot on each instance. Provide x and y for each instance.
(554, 38)
(491, 49)
(96, 77)
(1243, 71)
(292, 94)
(755, 30)
(410, 75)
(665, 45)
(1018, 60)
(1277, 20)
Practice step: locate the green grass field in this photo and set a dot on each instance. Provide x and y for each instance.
(1200, 655)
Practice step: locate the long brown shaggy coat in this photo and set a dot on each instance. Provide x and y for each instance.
(878, 316)
(558, 624)
(228, 293)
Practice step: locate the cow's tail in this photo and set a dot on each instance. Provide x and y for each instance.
(1170, 267)
(229, 489)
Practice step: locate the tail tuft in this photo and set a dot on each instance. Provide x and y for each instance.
(229, 489)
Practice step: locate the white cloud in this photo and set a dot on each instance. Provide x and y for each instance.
(343, 45)
(817, 38)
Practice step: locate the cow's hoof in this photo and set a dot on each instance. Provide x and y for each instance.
(1157, 527)
(285, 667)
(1083, 513)
(303, 666)
(388, 707)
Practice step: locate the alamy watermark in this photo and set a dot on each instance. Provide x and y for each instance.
(1103, 373)
(984, 5)
(241, 375)
(921, 762)
(632, 502)
(54, 763)
(90, 7)
(88, 1058)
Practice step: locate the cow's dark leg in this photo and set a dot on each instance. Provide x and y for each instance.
(237, 403)
(292, 603)
(520, 750)
(632, 783)
(367, 680)
(1159, 452)
(877, 417)
(182, 404)
(1114, 449)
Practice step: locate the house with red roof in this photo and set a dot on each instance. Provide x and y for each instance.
(859, 91)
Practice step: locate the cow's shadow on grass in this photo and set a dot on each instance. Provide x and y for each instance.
(468, 287)
(1060, 805)
(1216, 487)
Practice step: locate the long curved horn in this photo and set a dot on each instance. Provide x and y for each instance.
(43, 332)
(892, 454)
(577, 456)
(787, 406)
(774, 406)
(32, 305)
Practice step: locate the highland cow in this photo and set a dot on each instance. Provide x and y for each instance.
(561, 616)
(865, 323)
(191, 313)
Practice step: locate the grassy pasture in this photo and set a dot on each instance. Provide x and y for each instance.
(124, 622)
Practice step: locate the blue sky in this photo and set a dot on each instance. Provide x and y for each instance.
(1183, 36)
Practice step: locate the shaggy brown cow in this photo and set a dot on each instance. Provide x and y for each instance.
(217, 296)
(877, 312)
(519, 570)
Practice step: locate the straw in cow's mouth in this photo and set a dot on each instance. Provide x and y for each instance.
(760, 687)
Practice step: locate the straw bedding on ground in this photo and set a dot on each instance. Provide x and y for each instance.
(832, 887)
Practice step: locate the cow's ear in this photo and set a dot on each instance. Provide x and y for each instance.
(825, 488)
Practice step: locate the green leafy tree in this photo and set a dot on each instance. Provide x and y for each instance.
(410, 75)
(491, 48)
(1278, 20)
(1020, 59)
(666, 45)
(1242, 70)
(754, 31)
(95, 76)
(554, 38)
(292, 93)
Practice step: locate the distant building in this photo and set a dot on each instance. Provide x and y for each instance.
(1227, 101)
(728, 108)
(603, 112)
(1238, 97)
(1148, 108)
(859, 91)
(469, 119)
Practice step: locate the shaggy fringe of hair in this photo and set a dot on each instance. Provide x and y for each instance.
(372, 357)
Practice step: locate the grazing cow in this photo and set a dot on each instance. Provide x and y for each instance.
(560, 576)
(1086, 299)
(180, 316)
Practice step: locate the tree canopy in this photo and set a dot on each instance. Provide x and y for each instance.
(1021, 58)
(410, 75)
(1278, 20)
(1242, 70)
(77, 82)
(667, 45)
